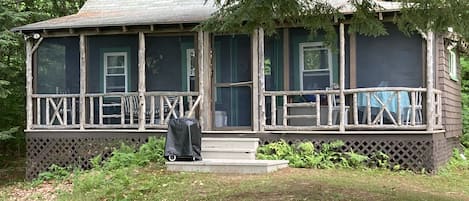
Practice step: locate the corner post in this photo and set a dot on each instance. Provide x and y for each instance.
(82, 81)
(29, 84)
(342, 78)
(262, 106)
(141, 81)
(430, 76)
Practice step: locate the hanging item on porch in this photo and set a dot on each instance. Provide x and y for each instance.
(267, 67)
(183, 140)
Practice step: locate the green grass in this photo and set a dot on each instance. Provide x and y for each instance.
(131, 175)
(152, 183)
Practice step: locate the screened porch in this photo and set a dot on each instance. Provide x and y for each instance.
(288, 82)
(114, 95)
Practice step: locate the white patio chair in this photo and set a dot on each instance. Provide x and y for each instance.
(418, 110)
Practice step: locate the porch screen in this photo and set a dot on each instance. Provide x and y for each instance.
(394, 59)
(112, 64)
(57, 66)
(170, 63)
(273, 61)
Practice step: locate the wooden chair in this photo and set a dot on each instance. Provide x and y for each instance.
(131, 108)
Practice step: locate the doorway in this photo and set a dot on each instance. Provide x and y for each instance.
(232, 82)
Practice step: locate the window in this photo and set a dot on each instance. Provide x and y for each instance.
(315, 66)
(115, 72)
(452, 64)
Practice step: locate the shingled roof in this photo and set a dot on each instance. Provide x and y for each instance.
(106, 13)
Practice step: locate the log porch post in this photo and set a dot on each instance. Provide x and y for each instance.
(29, 83)
(342, 78)
(141, 81)
(255, 79)
(430, 94)
(82, 81)
(261, 77)
(205, 74)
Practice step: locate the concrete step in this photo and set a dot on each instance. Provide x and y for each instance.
(233, 153)
(230, 143)
(228, 166)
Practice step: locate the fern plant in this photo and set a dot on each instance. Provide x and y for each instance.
(305, 155)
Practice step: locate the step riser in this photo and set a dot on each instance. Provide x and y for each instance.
(228, 155)
(229, 144)
(228, 166)
(225, 169)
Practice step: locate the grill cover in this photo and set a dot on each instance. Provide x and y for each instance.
(183, 140)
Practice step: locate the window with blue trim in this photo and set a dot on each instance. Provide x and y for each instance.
(115, 72)
(315, 66)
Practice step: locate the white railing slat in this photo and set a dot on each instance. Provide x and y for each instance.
(74, 111)
(38, 111)
(355, 109)
(273, 110)
(91, 110)
(47, 111)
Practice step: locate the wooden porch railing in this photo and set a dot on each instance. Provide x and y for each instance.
(380, 108)
(112, 110)
(397, 108)
(167, 105)
(438, 121)
(302, 110)
(49, 110)
(387, 108)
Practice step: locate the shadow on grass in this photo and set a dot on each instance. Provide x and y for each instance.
(313, 190)
(12, 169)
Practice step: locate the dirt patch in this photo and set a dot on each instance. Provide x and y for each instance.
(44, 191)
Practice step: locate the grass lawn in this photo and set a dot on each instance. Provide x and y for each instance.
(151, 183)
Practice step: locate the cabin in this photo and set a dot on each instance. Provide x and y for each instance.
(118, 71)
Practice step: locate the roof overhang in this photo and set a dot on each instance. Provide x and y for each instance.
(103, 14)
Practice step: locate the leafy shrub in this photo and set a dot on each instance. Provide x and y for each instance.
(304, 155)
(275, 151)
(379, 160)
(127, 156)
(465, 140)
(118, 177)
(123, 157)
(459, 160)
(54, 172)
(6, 135)
(457, 163)
(465, 100)
(354, 160)
(152, 151)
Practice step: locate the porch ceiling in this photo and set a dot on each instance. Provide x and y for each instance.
(108, 13)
